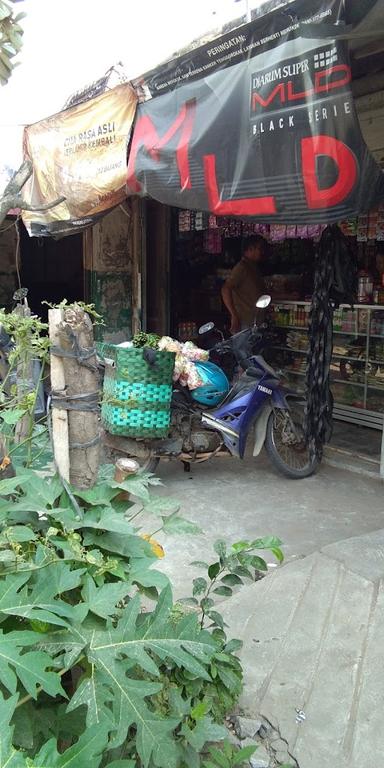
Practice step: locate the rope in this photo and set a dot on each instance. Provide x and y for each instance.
(83, 446)
(87, 401)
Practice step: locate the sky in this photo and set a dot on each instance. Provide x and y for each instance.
(68, 43)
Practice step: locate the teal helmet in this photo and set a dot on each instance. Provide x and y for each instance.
(215, 384)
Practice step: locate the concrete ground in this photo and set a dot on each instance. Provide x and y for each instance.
(235, 500)
(313, 630)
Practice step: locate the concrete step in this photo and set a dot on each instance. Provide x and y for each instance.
(313, 635)
(352, 462)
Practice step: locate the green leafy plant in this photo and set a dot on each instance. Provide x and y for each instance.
(90, 309)
(11, 40)
(79, 659)
(228, 756)
(30, 343)
(234, 565)
(142, 339)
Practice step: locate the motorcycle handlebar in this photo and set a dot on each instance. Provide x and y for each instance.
(240, 344)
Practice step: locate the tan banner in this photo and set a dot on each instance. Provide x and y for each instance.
(80, 154)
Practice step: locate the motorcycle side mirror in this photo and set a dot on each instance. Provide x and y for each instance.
(20, 294)
(263, 301)
(206, 328)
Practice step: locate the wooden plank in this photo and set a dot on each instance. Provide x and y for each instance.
(60, 436)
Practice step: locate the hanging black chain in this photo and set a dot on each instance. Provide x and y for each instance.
(335, 283)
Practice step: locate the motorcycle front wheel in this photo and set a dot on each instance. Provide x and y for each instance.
(286, 446)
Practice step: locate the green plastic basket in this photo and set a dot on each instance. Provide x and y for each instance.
(137, 395)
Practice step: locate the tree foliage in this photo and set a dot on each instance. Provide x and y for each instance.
(11, 40)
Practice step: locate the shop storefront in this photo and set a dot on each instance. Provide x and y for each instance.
(258, 132)
(204, 249)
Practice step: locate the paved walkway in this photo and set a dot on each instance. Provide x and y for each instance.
(313, 630)
(237, 500)
(313, 637)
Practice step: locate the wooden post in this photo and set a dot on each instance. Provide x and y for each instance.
(60, 436)
(76, 339)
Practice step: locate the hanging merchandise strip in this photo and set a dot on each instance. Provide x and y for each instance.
(335, 283)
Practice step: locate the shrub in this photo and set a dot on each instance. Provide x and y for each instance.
(87, 677)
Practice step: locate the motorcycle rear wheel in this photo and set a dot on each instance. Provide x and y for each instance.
(286, 446)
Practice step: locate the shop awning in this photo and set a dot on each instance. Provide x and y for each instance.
(261, 123)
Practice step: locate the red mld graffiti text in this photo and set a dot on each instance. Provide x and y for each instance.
(311, 149)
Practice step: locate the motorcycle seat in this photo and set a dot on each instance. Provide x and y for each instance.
(254, 373)
(263, 367)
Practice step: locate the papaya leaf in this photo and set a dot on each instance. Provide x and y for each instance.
(102, 600)
(38, 600)
(9, 756)
(204, 730)
(243, 755)
(29, 667)
(175, 524)
(11, 484)
(93, 694)
(160, 505)
(87, 751)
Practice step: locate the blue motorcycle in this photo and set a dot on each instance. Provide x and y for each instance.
(217, 419)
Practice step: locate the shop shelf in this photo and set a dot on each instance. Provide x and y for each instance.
(289, 349)
(334, 357)
(351, 333)
(291, 327)
(366, 351)
(339, 333)
(350, 382)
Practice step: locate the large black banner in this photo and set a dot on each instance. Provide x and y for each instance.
(259, 123)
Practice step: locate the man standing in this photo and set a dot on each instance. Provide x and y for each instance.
(245, 285)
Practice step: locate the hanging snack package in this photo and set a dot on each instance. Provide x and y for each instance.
(212, 222)
(277, 232)
(313, 231)
(248, 228)
(380, 224)
(350, 228)
(264, 230)
(302, 231)
(184, 221)
(372, 225)
(198, 221)
(362, 228)
(291, 231)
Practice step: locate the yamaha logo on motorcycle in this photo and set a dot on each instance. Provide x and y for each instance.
(264, 389)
